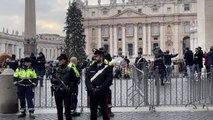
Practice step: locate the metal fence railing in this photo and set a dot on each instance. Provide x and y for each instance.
(144, 89)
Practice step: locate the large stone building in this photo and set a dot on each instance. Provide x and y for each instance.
(50, 44)
(138, 25)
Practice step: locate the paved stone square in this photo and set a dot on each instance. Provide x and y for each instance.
(130, 116)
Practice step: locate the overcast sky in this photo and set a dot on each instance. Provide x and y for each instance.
(50, 15)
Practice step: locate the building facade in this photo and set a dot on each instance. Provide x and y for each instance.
(139, 25)
(50, 44)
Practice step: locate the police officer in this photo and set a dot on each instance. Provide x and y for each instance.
(25, 79)
(98, 80)
(74, 101)
(62, 85)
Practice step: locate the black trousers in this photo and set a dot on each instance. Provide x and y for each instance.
(101, 100)
(74, 98)
(60, 98)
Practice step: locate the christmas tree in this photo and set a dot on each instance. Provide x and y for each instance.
(75, 38)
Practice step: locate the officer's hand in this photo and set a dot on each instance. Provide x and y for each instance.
(96, 90)
(79, 81)
(15, 83)
(54, 81)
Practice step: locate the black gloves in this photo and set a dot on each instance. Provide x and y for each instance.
(95, 91)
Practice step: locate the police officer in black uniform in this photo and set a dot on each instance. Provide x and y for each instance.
(62, 85)
(98, 80)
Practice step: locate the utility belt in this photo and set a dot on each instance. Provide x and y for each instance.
(25, 85)
(25, 82)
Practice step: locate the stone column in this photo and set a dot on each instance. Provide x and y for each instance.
(149, 40)
(144, 39)
(205, 23)
(30, 27)
(162, 39)
(176, 38)
(87, 40)
(30, 19)
(99, 37)
(2, 48)
(111, 40)
(115, 41)
(123, 40)
(136, 39)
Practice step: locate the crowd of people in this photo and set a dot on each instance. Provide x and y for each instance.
(65, 74)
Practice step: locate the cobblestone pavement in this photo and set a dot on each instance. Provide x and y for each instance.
(130, 116)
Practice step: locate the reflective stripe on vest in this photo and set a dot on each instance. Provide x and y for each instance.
(25, 74)
(71, 65)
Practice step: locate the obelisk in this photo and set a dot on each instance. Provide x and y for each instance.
(30, 28)
(205, 23)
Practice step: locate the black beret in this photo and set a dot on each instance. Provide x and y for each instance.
(27, 59)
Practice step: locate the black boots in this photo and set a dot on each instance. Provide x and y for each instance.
(111, 113)
(32, 116)
(23, 114)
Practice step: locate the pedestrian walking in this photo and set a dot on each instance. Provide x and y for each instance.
(98, 80)
(168, 64)
(62, 78)
(40, 67)
(188, 57)
(13, 63)
(25, 80)
(210, 59)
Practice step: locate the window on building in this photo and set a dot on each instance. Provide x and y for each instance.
(105, 39)
(130, 49)
(119, 39)
(186, 7)
(93, 31)
(120, 51)
(106, 47)
(154, 45)
(139, 10)
(140, 50)
(119, 31)
(139, 38)
(155, 9)
(169, 9)
(105, 31)
(129, 30)
(155, 29)
(105, 12)
(119, 11)
(155, 38)
(93, 13)
(187, 27)
(140, 30)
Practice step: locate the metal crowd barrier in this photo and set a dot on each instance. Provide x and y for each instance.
(143, 89)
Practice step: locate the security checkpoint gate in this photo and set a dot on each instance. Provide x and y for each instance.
(143, 89)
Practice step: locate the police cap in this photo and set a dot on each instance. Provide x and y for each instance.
(27, 59)
(98, 52)
(63, 56)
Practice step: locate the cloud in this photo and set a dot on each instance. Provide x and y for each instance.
(48, 25)
(50, 14)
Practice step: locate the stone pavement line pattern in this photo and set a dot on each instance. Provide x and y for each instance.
(130, 116)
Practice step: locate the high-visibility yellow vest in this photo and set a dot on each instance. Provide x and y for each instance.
(23, 74)
(73, 66)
